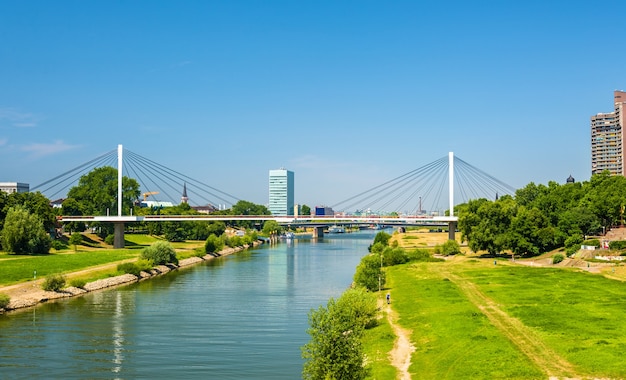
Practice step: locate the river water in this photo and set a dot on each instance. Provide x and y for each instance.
(238, 317)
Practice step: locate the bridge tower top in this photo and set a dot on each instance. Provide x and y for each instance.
(119, 179)
(451, 181)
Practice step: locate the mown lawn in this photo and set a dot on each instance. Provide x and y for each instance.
(577, 315)
(18, 268)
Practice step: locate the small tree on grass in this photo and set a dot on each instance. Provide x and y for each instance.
(23, 232)
(160, 252)
(75, 239)
(335, 349)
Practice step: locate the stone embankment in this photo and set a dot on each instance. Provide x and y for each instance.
(30, 294)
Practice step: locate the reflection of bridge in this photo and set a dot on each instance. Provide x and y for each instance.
(396, 194)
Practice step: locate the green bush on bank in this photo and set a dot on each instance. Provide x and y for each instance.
(78, 283)
(160, 252)
(4, 301)
(557, 258)
(335, 350)
(54, 283)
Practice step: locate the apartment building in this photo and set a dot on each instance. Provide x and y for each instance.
(608, 138)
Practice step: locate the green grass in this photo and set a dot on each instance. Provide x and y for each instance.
(453, 339)
(579, 315)
(377, 343)
(576, 315)
(15, 269)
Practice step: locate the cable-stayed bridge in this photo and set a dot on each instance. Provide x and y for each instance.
(414, 198)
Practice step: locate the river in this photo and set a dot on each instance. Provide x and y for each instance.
(238, 317)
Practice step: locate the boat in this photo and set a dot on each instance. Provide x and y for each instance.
(336, 230)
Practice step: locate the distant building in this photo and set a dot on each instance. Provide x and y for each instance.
(608, 138)
(208, 209)
(14, 187)
(570, 179)
(281, 192)
(184, 198)
(324, 211)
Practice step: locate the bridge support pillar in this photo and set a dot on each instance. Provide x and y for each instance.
(118, 240)
(451, 230)
(318, 232)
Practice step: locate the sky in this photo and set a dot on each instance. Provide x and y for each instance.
(346, 94)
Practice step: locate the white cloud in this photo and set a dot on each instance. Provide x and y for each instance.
(17, 118)
(37, 150)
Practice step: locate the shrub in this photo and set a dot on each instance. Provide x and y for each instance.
(557, 258)
(450, 247)
(394, 256)
(213, 244)
(592, 242)
(160, 252)
(110, 239)
(422, 255)
(78, 282)
(617, 245)
(58, 244)
(129, 268)
(369, 274)
(53, 283)
(382, 237)
(4, 301)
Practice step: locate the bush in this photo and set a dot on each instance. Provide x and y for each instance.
(160, 252)
(4, 301)
(58, 244)
(213, 244)
(78, 283)
(110, 239)
(617, 245)
(450, 247)
(129, 268)
(557, 258)
(369, 273)
(422, 255)
(593, 242)
(53, 283)
(394, 256)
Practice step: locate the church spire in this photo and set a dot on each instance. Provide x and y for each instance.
(184, 198)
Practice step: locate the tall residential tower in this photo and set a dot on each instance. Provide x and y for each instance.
(608, 138)
(281, 192)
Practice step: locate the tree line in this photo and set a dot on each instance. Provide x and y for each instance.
(541, 218)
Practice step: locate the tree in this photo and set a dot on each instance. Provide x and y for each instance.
(75, 239)
(369, 273)
(213, 244)
(23, 232)
(305, 210)
(335, 349)
(160, 252)
(96, 192)
(271, 227)
(36, 204)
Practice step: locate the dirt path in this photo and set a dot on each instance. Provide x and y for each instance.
(519, 334)
(400, 355)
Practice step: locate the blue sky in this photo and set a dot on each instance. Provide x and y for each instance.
(347, 94)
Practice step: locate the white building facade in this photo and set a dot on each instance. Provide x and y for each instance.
(14, 187)
(281, 192)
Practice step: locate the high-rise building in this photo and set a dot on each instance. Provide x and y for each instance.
(281, 192)
(608, 138)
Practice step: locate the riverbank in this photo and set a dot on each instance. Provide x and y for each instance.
(29, 294)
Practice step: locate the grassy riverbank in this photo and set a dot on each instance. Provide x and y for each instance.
(96, 255)
(472, 319)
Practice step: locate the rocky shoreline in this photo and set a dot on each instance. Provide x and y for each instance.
(31, 294)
